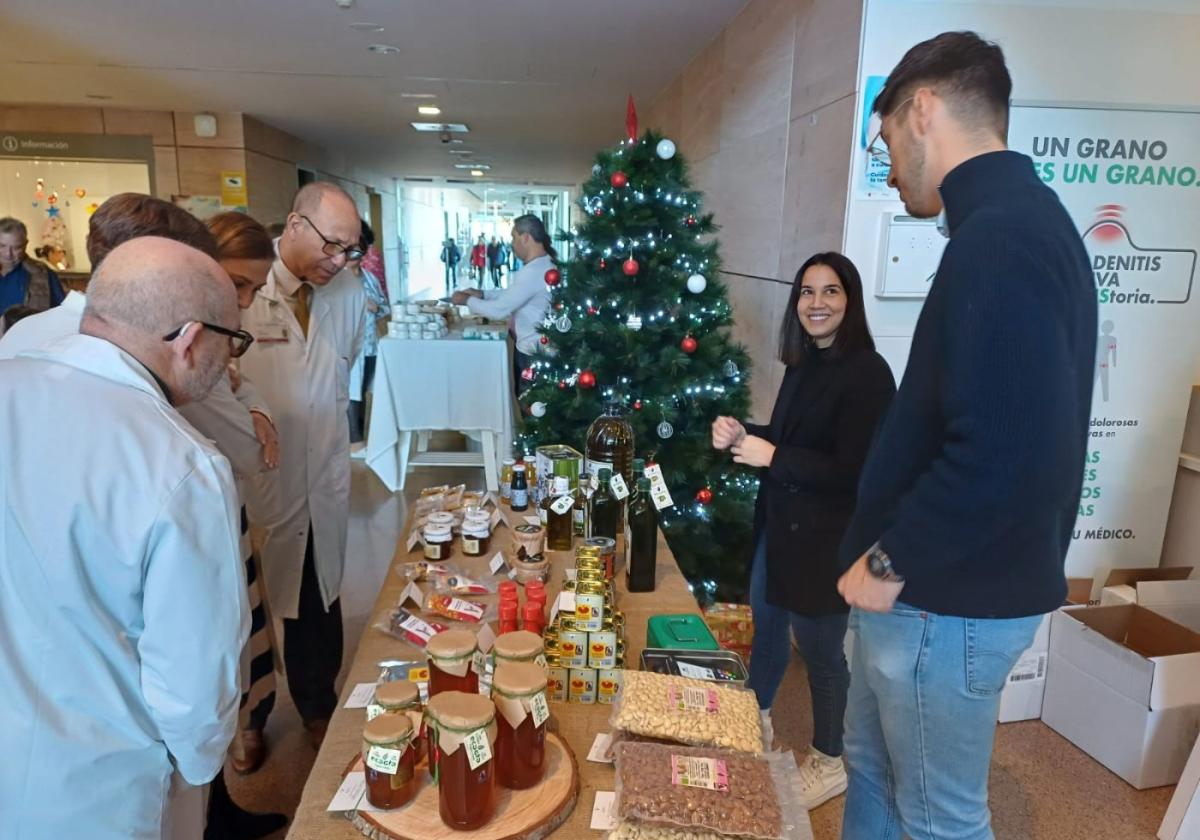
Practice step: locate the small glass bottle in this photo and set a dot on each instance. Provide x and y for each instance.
(400, 697)
(506, 474)
(642, 541)
(519, 498)
(560, 506)
(462, 732)
(581, 492)
(389, 761)
(450, 656)
(602, 509)
(519, 691)
(639, 470)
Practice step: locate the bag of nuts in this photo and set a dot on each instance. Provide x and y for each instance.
(688, 711)
(671, 792)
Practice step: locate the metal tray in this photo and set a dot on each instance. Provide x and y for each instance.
(723, 666)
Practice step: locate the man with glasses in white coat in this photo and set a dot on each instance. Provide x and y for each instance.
(308, 325)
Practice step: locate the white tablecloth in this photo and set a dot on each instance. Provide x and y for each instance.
(448, 383)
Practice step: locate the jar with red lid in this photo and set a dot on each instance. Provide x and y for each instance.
(389, 761)
(462, 742)
(508, 617)
(533, 617)
(451, 654)
(519, 692)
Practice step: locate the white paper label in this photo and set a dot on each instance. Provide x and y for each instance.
(533, 520)
(539, 708)
(479, 662)
(601, 751)
(414, 537)
(413, 593)
(570, 574)
(485, 638)
(360, 696)
(495, 520)
(458, 605)
(562, 504)
(1031, 667)
(696, 672)
(658, 488)
(497, 563)
(564, 603)
(418, 628)
(384, 760)
(619, 488)
(604, 811)
(540, 660)
(374, 710)
(694, 771)
(478, 748)
(351, 795)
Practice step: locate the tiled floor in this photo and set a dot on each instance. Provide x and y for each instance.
(1042, 787)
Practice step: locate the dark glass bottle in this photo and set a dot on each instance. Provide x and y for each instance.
(520, 489)
(642, 540)
(603, 508)
(610, 444)
(581, 503)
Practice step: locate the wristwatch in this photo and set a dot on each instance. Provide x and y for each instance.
(880, 565)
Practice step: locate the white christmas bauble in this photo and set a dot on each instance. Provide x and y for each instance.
(696, 284)
(563, 324)
(596, 169)
(665, 430)
(634, 323)
(730, 369)
(665, 149)
(538, 409)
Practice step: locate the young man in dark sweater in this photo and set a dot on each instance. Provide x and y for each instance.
(967, 500)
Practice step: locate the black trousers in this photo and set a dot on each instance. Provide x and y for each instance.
(357, 411)
(312, 646)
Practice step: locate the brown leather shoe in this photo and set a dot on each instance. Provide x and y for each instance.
(316, 732)
(254, 752)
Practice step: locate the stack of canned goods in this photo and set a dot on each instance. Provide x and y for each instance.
(585, 652)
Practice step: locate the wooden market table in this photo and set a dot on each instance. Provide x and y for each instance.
(578, 724)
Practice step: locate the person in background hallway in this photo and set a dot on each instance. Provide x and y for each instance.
(123, 620)
(969, 495)
(363, 372)
(451, 256)
(478, 260)
(24, 281)
(308, 322)
(834, 391)
(54, 256)
(493, 261)
(372, 261)
(526, 300)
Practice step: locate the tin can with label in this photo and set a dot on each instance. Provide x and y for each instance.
(602, 649)
(572, 648)
(608, 685)
(589, 607)
(608, 553)
(556, 683)
(582, 686)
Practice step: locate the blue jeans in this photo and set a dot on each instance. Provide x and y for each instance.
(821, 640)
(921, 719)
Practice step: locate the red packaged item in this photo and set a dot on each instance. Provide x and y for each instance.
(410, 628)
(508, 590)
(508, 616)
(449, 606)
(534, 616)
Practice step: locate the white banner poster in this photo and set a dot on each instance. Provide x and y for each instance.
(1131, 181)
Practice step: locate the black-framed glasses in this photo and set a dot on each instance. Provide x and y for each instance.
(877, 149)
(239, 340)
(335, 249)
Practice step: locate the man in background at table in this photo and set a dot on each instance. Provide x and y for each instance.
(526, 300)
(123, 604)
(308, 325)
(24, 281)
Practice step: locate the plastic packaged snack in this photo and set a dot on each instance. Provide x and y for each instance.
(687, 711)
(445, 603)
(460, 584)
(631, 830)
(704, 789)
(409, 627)
(422, 570)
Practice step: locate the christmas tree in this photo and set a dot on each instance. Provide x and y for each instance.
(639, 317)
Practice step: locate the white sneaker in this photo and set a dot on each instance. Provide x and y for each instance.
(822, 777)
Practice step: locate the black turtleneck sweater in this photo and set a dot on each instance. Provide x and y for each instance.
(972, 485)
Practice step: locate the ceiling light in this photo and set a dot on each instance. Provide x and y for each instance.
(384, 49)
(418, 95)
(460, 151)
(343, 4)
(432, 127)
(429, 110)
(366, 27)
(478, 173)
(472, 166)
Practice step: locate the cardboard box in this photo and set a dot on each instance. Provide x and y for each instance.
(1123, 685)
(1182, 820)
(1167, 591)
(1021, 698)
(1121, 585)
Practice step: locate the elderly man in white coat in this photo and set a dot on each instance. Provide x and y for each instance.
(308, 325)
(123, 605)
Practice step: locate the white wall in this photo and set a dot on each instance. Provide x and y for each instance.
(1140, 52)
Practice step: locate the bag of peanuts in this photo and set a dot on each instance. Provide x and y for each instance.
(667, 792)
(687, 711)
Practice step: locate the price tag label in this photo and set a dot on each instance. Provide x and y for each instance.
(570, 574)
(478, 748)
(540, 659)
(374, 710)
(533, 520)
(384, 760)
(696, 672)
(693, 771)
(601, 751)
(360, 696)
(418, 628)
(658, 488)
(413, 593)
(465, 608)
(485, 638)
(479, 662)
(604, 811)
(619, 488)
(497, 563)
(539, 708)
(562, 504)
(689, 699)
(414, 537)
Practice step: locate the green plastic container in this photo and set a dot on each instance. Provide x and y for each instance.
(680, 632)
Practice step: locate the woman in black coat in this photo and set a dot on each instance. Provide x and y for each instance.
(833, 395)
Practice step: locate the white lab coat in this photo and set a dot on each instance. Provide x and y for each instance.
(123, 607)
(306, 382)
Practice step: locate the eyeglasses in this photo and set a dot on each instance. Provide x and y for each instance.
(239, 340)
(877, 150)
(335, 249)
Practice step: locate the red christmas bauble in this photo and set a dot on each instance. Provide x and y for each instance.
(527, 374)
(603, 263)
(553, 277)
(545, 339)
(689, 345)
(637, 405)
(591, 310)
(691, 221)
(630, 267)
(558, 307)
(704, 495)
(562, 386)
(619, 179)
(587, 379)
(599, 211)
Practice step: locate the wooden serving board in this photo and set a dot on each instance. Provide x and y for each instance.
(530, 814)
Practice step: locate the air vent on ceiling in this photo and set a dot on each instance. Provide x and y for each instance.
(420, 180)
